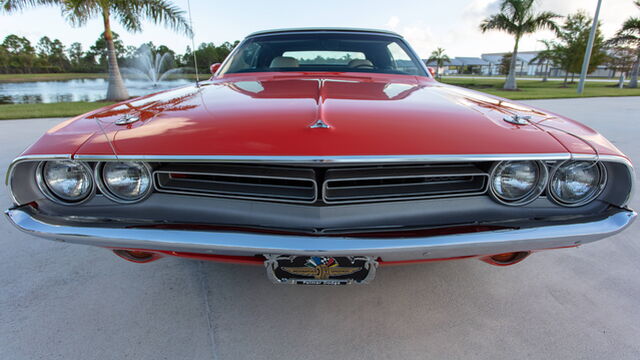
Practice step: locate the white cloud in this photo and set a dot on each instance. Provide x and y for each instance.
(393, 22)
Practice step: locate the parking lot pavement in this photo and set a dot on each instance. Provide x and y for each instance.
(60, 301)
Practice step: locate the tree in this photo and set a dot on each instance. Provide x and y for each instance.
(621, 59)
(518, 18)
(440, 58)
(505, 64)
(21, 55)
(100, 49)
(629, 34)
(568, 51)
(545, 57)
(75, 53)
(207, 54)
(128, 13)
(52, 54)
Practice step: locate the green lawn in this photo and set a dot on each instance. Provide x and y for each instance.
(536, 89)
(26, 111)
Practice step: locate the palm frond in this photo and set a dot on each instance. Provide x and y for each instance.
(498, 22)
(156, 11)
(19, 5)
(543, 20)
(78, 12)
(629, 33)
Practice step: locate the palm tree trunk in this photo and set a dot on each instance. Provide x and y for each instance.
(633, 83)
(510, 84)
(116, 90)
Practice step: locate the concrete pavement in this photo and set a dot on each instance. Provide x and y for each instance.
(60, 301)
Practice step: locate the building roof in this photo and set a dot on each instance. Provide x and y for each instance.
(524, 56)
(461, 61)
(323, 29)
(472, 61)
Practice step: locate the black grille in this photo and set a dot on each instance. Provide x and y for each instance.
(248, 182)
(399, 183)
(340, 185)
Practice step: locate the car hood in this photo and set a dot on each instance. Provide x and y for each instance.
(272, 115)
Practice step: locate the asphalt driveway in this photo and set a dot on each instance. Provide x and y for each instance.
(60, 301)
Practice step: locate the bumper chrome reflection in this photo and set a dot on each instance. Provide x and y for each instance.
(389, 249)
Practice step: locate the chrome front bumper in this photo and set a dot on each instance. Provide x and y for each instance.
(389, 249)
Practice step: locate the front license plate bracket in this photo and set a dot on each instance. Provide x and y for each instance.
(320, 270)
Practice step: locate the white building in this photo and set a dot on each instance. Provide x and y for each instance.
(490, 64)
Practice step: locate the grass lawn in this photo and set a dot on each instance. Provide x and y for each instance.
(536, 89)
(26, 111)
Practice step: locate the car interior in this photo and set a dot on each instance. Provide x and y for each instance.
(324, 52)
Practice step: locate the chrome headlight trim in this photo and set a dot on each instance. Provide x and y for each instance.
(532, 195)
(49, 194)
(104, 189)
(599, 188)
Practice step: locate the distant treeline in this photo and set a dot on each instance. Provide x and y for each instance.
(19, 56)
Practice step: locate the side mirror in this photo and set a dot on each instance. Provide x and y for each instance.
(214, 68)
(432, 71)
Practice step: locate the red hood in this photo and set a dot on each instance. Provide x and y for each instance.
(270, 115)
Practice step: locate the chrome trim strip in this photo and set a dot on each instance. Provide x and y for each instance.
(432, 247)
(330, 159)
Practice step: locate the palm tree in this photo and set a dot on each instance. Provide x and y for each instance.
(545, 57)
(517, 17)
(127, 12)
(439, 57)
(629, 34)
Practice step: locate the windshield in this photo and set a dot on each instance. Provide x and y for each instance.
(319, 52)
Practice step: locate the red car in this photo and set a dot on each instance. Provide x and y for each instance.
(322, 154)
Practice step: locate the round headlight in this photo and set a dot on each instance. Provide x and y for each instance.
(576, 183)
(126, 181)
(518, 182)
(65, 181)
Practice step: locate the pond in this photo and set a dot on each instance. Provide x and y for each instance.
(75, 90)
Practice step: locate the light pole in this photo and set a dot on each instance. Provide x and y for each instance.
(587, 53)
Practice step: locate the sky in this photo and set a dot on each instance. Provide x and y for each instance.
(451, 24)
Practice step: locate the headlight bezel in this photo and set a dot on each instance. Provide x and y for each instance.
(601, 185)
(537, 190)
(50, 194)
(108, 193)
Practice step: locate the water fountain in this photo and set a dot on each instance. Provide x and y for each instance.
(152, 67)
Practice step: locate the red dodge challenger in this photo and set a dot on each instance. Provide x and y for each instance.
(322, 154)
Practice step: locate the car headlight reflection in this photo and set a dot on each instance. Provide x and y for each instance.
(65, 181)
(518, 182)
(575, 183)
(125, 181)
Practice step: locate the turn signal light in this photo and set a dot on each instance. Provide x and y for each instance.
(506, 259)
(137, 256)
